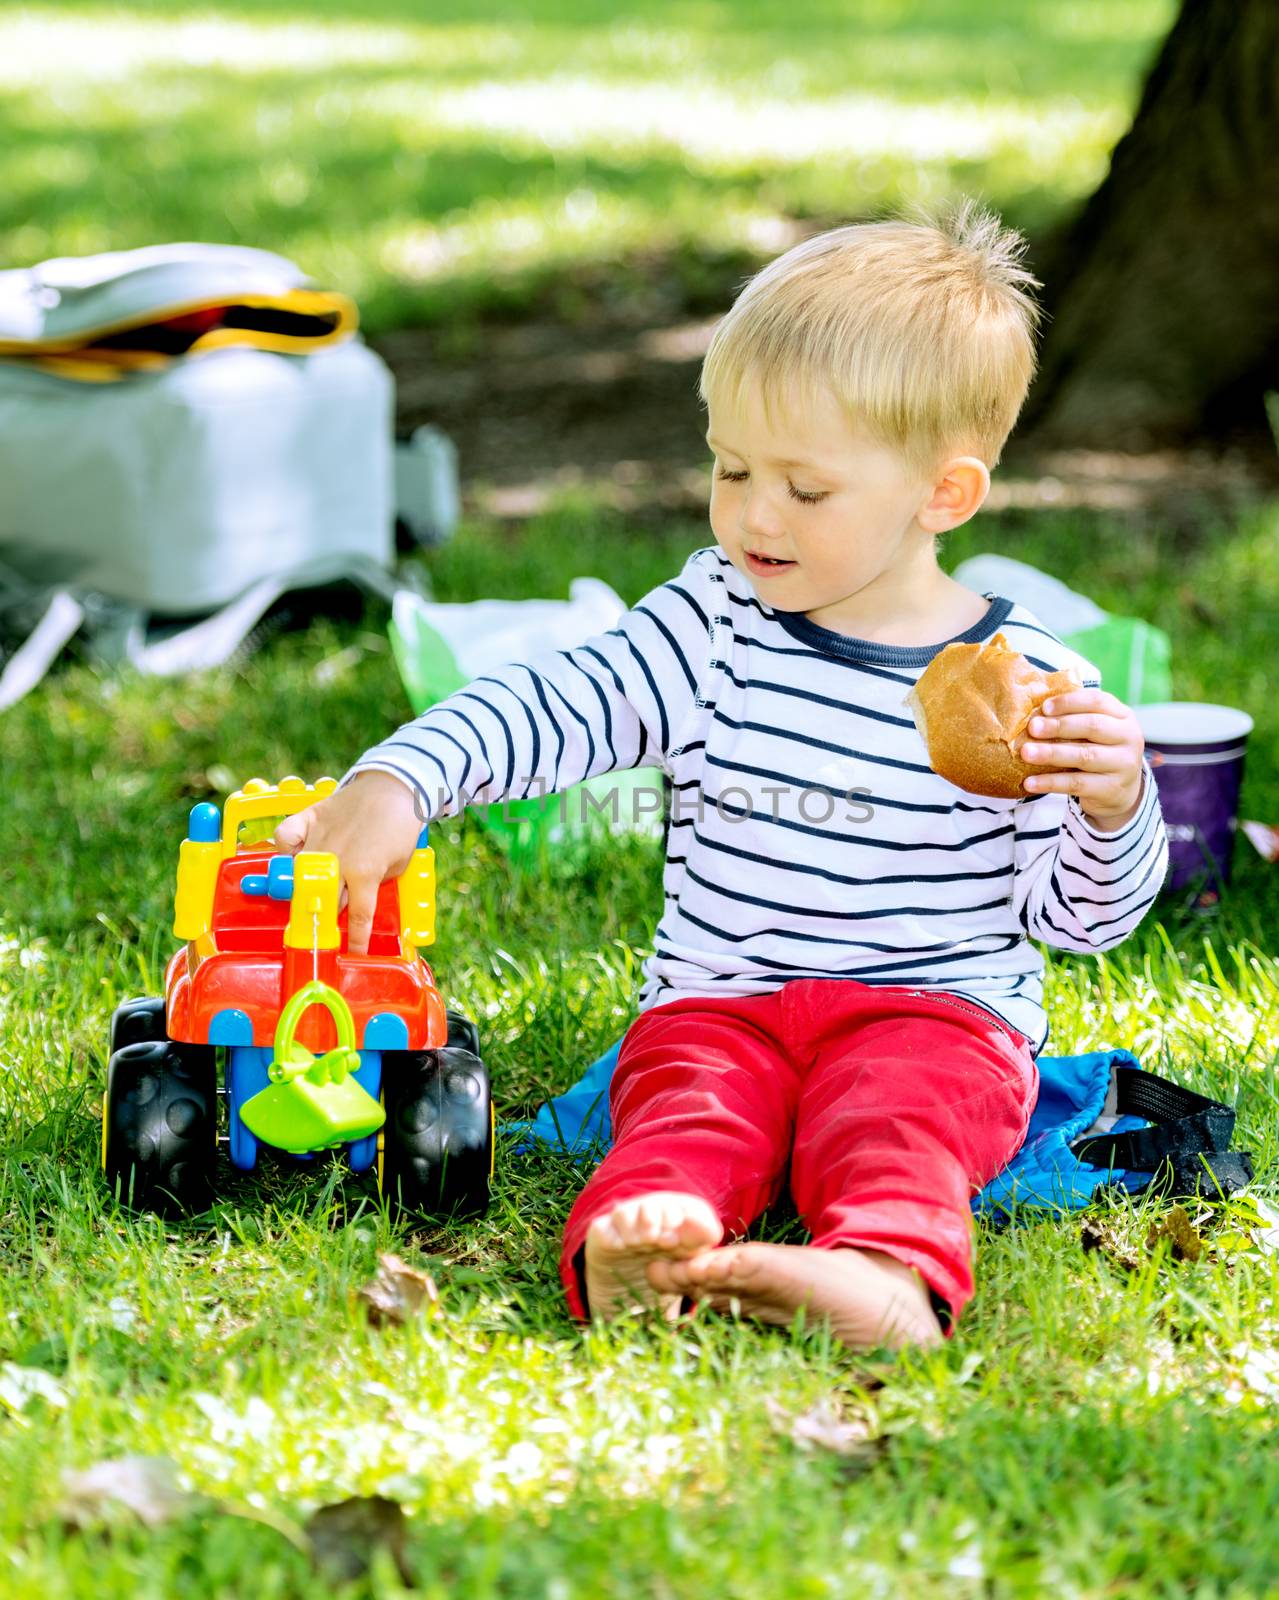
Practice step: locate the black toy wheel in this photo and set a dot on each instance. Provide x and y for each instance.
(137, 1021)
(437, 1145)
(159, 1126)
(463, 1034)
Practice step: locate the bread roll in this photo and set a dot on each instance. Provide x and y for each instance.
(972, 705)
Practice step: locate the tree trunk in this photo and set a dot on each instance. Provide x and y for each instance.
(1164, 305)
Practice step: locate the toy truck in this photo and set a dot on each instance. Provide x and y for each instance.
(317, 1048)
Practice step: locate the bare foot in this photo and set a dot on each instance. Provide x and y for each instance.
(870, 1300)
(620, 1243)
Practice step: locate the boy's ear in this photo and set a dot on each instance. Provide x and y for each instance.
(961, 486)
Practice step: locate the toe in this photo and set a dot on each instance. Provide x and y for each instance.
(666, 1275)
(707, 1268)
(696, 1232)
(653, 1221)
(741, 1266)
(603, 1233)
(634, 1225)
(722, 1267)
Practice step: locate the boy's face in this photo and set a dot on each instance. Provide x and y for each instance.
(815, 514)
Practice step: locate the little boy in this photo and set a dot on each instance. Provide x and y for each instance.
(843, 980)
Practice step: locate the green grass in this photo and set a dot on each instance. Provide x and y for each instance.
(436, 168)
(1091, 1432)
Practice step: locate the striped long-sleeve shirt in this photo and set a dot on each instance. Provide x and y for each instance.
(808, 835)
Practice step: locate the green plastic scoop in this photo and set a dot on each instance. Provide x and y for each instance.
(313, 1102)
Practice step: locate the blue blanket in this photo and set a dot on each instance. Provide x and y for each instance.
(1045, 1172)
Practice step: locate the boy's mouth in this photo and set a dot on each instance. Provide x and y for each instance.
(766, 565)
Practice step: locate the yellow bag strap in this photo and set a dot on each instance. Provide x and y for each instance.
(75, 356)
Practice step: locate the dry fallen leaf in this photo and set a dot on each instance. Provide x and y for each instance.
(1095, 1234)
(1187, 1245)
(344, 1537)
(145, 1485)
(398, 1293)
(824, 1427)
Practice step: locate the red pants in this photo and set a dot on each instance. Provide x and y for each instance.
(892, 1105)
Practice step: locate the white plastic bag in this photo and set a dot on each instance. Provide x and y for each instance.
(484, 634)
(1057, 606)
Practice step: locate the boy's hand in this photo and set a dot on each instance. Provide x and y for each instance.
(1097, 743)
(372, 827)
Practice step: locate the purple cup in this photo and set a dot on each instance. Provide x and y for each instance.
(1196, 752)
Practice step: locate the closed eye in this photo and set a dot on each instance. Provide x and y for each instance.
(795, 494)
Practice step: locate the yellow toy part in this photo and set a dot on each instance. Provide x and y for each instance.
(259, 798)
(417, 898)
(313, 917)
(198, 863)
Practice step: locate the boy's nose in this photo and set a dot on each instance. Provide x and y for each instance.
(759, 520)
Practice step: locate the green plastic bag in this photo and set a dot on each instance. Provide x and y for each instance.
(1133, 657)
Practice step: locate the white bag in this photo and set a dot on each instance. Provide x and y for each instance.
(177, 490)
(179, 483)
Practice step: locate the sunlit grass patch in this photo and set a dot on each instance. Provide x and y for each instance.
(431, 166)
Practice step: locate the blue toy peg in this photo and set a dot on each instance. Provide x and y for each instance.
(205, 824)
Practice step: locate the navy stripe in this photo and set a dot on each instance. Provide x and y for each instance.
(679, 589)
(467, 694)
(419, 750)
(1102, 861)
(868, 975)
(585, 725)
(1156, 850)
(534, 761)
(864, 797)
(664, 731)
(462, 717)
(832, 877)
(1156, 863)
(840, 916)
(815, 938)
(820, 700)
(603, 700)
(908, 680)
(820, 744)
(673, 642)
(823, 831)
(413, 783)
(438, 733)
(554, 784)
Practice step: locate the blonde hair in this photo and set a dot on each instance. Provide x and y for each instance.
(923, 329)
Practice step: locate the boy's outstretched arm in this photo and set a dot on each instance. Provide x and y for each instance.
(1091, 848)
(618, 701)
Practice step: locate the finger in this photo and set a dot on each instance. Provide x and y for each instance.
(1088, 786)
(1077, 757)
(1096, 727)
(1083, 700)
(361, 904)
(291, 834)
